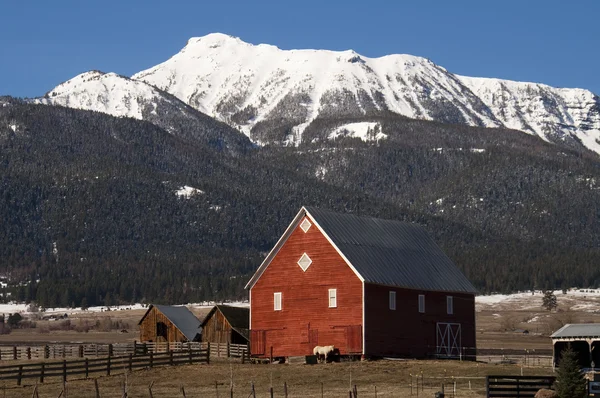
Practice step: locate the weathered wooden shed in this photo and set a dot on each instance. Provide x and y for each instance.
(162, 323)
(226, 324)
(368, 286)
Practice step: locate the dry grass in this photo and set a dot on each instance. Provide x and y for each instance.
(496, 325)
(389, 378)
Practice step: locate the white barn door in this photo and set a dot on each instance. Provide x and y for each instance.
(448, 340)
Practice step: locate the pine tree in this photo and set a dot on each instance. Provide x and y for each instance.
(549, 300)
(570, 381)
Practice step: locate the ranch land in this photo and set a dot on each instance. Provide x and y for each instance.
(505, 324)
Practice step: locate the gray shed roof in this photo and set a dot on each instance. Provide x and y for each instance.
(182, 318)
(385, 252)
(574, 330)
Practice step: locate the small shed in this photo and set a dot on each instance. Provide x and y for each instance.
(162, 323)
(226, 324)
(584, 339)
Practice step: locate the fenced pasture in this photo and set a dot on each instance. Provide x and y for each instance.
(231, 378)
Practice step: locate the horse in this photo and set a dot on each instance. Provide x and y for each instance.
(323, 351)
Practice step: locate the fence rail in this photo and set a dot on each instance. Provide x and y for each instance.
(87, 366)
(64, 351)
(516, 386)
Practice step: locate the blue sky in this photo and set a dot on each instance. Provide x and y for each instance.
(43, 43)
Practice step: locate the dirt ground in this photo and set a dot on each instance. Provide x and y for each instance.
(383, 378)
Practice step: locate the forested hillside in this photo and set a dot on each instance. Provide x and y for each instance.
(90, 211)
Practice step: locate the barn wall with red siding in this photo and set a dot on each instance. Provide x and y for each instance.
(305, 319)
(407, 332)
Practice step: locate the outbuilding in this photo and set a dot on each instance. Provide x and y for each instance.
(226, 324)
(583, 338)
(368, 286)
(166, 323)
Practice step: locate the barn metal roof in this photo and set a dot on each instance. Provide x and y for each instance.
(238, 318)
(182, 318)
(393, 253)
(383, 252)
(574, 330)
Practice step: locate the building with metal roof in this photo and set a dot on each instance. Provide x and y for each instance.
(372, 286)
(166, 323)
(226, 324)
(583, 338)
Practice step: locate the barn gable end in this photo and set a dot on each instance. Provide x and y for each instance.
(162, 323)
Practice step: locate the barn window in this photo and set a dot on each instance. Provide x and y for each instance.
(332, 298)
(277, 301)
(305, 225)
(422, 303)
(450, 305)
(304, 262)
(392, 300)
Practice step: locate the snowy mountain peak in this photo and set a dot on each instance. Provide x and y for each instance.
(272, 95)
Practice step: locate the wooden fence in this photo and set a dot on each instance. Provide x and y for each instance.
(108, 365)
(63, 351)
(516, 386)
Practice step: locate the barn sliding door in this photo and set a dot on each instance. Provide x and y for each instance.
(448, 340)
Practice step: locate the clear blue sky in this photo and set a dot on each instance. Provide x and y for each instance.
(43, 43)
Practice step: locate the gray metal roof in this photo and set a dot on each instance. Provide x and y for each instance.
(574, 330)
(393, 253)
(183, 319)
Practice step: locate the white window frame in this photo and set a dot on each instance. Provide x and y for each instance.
(332, 298)
(450, 305)
(277, 301)
(422, 303)
(392, 300)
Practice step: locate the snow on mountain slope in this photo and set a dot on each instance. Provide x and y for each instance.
(555, 114)
(251, 86)
(272, 94)
(123, 97)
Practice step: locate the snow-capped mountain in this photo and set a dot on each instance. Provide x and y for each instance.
(123, 97)
(272, 95)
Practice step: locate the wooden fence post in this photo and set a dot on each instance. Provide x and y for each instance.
(134, 347)
(151, 358)
(208, 353)
(228, 350)
(171, 358)
(42, 373)
(87, 368)
(20, 375)
(28, 351)
(190, 354)
(130, 362)
(110, 350)
(80, 351)
(46, 352)
(108, 365)
(64, 370)
(15, 352)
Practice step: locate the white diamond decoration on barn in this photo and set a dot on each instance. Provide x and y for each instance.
(305, 225)
(304, 262)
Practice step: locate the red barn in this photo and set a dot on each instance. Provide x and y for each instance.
(368, 286)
